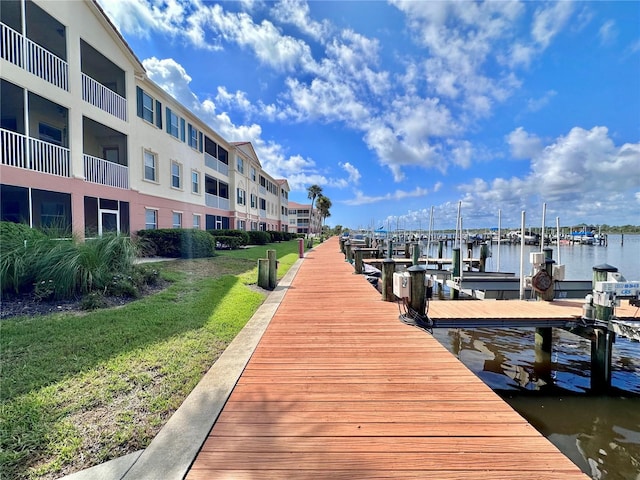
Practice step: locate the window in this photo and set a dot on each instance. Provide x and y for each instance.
(263, 204)
(196, 221)
(240, 165)
(177, 220)
(195, 182)
(193, 137)
(173, 123)
(175, 175)
(148, 108)
(253, 174)
(223, 190)
(50, 134)
(254, 201)
(150, 219)
(150, 166)
(242, 224)
(242, 197)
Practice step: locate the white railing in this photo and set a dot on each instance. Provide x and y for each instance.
(104, 98)
(263, 214)
(19, 50)
(215, 201)
(99, 170)
(262, 190)
(215, 164)
(39, 156)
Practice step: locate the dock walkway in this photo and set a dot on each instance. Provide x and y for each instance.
(338, 387)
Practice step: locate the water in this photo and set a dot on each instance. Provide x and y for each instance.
(600, 434)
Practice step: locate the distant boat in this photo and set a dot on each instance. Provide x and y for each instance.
(583, 237)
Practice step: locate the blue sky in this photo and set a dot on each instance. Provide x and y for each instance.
(395, 107)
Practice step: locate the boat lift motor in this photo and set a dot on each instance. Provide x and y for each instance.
(615, 288)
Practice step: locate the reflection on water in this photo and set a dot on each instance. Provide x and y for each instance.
(601, 434)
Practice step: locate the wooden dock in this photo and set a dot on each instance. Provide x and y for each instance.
(338, 388)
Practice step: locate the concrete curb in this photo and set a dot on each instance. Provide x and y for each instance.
(174, 448)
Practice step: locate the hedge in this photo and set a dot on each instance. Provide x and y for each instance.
(178, 242)
(259, 238)
(228, 241)
(241, 234)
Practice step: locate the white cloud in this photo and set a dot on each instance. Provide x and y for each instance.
(523, 145)
(608, 32)
(549, 20)
(536, 104)
(297, 13)
(362, 199)
(353, 172)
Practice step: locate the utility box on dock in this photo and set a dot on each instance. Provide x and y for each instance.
(402, 285)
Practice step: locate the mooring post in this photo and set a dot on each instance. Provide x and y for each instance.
(440, 252)
(600, 275)
(484, 253)
(389, 248)
(347, 251)
(388, 267)
(357, 255)
(263, 273)
(407, 248)
(544, 339)
(273, 268)
(415, 253)
(342, 242)
(418, 300)
(367, 242)
(455, 258)
(601, 348)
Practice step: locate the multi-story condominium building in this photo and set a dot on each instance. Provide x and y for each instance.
(89, 143)
(300, 219)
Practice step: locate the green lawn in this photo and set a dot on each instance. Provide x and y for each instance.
(78, 389)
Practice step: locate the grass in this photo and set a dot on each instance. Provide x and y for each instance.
(80, 389)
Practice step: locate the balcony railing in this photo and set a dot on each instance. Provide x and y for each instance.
(104, 98)
(215, 201)
(19, 50)
(215, 164)
(39, 156)
(98, 170)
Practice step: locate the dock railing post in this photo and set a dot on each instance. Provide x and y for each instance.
(418, 301)
(388, 267)
(357, 254)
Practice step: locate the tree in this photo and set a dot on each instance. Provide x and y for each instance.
(312, 193)
(324, 204)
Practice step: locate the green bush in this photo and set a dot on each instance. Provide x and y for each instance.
(276, 236)
(241, 234)
(15, 264)
(178, 242)
(232, 243)
(259, 238)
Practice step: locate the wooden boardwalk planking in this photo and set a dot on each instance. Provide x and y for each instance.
(338, 388)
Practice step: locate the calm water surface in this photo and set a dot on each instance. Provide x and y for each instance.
(601, 434)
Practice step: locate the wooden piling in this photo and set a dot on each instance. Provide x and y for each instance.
(484, 253)
(440, 252)
(273, 268)
(455, 259)
(601, 348)
(358, 265)
(347, 252)
(417, 301)
(263, 273)
(388, 267)
(415, 253)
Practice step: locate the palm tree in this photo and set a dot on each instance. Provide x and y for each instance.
(324, 204)
(312, 193)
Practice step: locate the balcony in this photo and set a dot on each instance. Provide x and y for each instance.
(28, 55)
(216, 202)
(215, 164)
(20, 151)
(104, 172)
(104, 98)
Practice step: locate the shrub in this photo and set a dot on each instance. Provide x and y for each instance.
(241, 234)
(16, 270)
(178, 242)
(259, 238)
(232, 243)
(276, 236)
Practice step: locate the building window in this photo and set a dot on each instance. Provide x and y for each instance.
(195, 181)
(150, 219)
(148, 108)
(176, 175)
(254, 201)
(193, 137)
(240, 165)
(223, 190)
(242, 225)
(253, 174)
(173, 124)
(196, 221)
(263, 204)
(242, 197)
(177, 220)
(150, 166)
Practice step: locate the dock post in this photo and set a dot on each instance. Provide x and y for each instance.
(388, 267)
(263, 273)
(417, 301)
(543, 349)
(440, 252)
(544, 339)
(549, 261)
(357, 255)
(407, 249)
(273, 268)
(342, 241)
(601, 347)
(367, 242)
(484, 253)
(415, 253)
(600, 275)
(455, 259)
(390, 248)
(347, 252)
